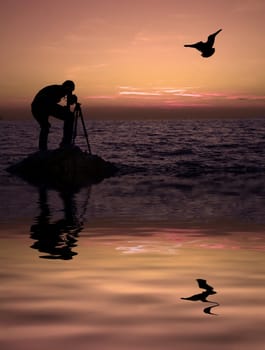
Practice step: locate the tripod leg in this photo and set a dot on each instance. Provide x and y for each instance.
(74, 128)
(85, 132)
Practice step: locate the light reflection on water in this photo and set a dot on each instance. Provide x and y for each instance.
(124, 292)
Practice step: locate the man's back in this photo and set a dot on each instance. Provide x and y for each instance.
(49, 95)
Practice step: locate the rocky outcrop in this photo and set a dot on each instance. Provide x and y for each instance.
(63, 168)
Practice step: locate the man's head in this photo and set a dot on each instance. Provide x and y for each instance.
(69, 86)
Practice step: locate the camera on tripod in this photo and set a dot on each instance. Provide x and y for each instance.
(71, 100)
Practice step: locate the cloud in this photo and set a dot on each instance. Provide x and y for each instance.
(247, 97)
(140, 93)
(158, 91)
(100, 97)
(173, 97)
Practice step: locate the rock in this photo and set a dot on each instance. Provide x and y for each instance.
(63, 168)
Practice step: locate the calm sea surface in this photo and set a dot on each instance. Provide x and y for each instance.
(168, 254)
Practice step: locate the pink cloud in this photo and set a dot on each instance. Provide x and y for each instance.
(141, 93)
(247, 97)
(159, 91)
(100, 97)
(173, 97)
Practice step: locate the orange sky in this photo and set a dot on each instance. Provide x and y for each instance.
(124, 52)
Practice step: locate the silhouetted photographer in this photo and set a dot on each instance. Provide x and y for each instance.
(46, 104)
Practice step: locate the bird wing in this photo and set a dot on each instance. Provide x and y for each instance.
(199, 46)
(194, 297)
(211, 38)
(203, 284)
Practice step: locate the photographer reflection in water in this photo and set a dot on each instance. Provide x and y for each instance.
(56, 238)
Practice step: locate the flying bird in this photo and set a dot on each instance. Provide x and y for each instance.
(206, 48)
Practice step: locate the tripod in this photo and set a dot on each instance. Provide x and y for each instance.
(78, 113)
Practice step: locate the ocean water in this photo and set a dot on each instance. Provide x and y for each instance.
(115, 266)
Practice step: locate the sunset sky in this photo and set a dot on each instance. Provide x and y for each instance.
(131, 53)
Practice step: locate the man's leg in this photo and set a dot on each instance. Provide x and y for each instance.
(68, 129)
(42, 119)
(67, 116)
(43, 138)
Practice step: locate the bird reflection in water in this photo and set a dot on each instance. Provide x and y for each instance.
(204, 295)
(57, 238)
